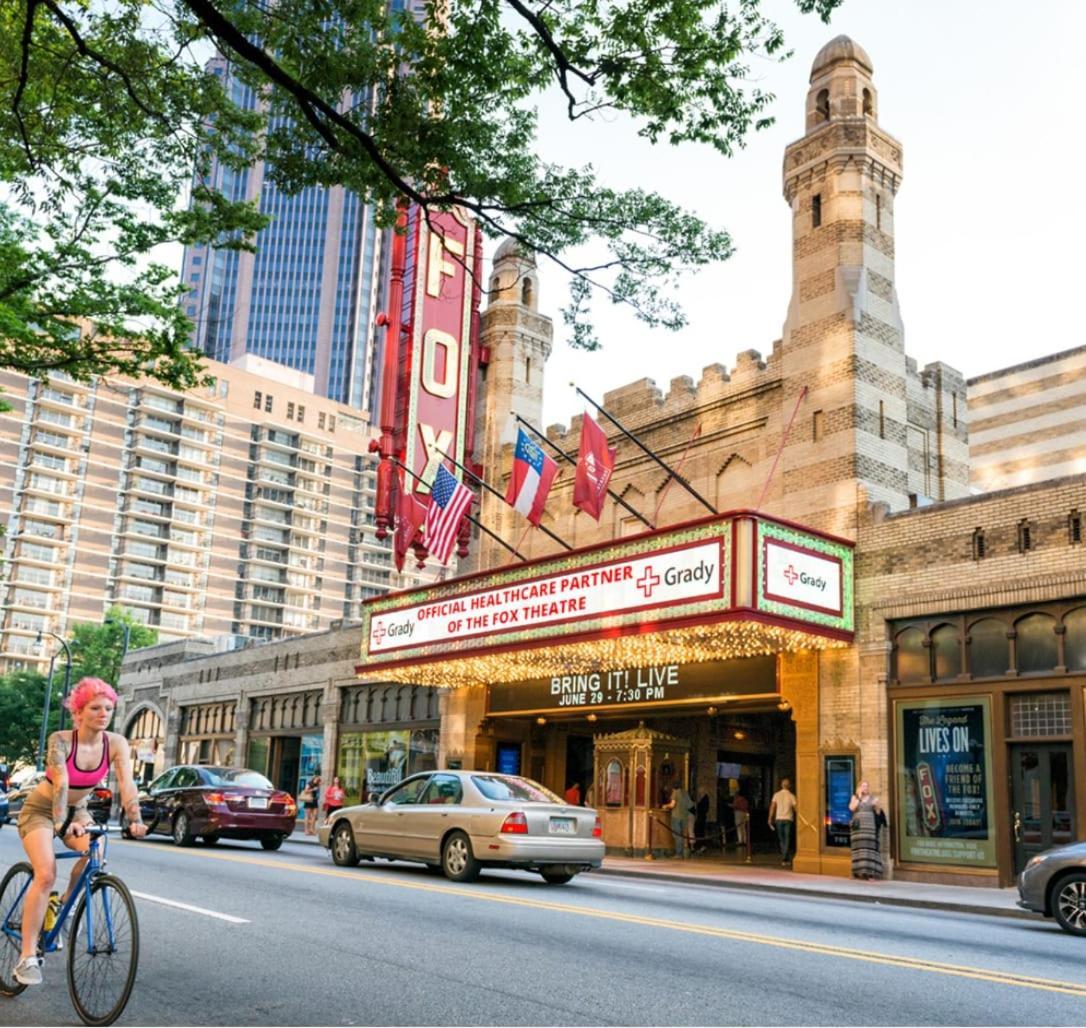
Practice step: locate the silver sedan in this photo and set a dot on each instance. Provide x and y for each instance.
(459, 822)
(1054, 884)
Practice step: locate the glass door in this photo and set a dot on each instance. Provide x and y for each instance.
(1042, 799)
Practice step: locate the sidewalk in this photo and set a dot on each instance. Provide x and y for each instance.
(712, 871)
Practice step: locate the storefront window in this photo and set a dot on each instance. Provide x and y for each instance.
(912, 657)
(988, 649)
(422, 755)
(946, 647)
(371, 762)
(257, 759)
(1035, 645)
(1074, 642)
(946, 813)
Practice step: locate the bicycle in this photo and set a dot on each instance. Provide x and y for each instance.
(103, 946)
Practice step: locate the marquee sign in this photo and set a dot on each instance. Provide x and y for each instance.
(732, 568)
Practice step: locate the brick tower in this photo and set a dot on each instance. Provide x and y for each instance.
(870, 424)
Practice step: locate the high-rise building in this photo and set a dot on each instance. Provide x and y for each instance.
(242, 509)
(307, 298)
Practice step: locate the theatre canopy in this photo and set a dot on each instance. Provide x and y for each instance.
(733, 585)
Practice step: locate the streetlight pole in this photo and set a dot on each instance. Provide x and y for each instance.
(45, 712)
(67, 671)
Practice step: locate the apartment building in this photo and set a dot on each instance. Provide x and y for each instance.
(242, 508)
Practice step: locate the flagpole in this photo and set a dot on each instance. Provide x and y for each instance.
(629, 435)
(682, 461)
(475, 521)
(780, 449)
(494, 492)
(566, 457)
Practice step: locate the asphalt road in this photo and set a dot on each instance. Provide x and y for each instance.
(287, 938)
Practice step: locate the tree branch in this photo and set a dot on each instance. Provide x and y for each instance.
(24, 76)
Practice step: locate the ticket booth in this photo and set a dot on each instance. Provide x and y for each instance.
(635, 772)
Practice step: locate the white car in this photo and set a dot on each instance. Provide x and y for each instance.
(459, 822)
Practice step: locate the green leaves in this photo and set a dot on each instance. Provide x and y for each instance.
(107, 110)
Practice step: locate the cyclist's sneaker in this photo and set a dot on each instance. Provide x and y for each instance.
(28, 971)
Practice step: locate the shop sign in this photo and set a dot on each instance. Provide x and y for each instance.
(945, 782)
(664, 683)
(439, 361)
(638, 583)
(804, 576)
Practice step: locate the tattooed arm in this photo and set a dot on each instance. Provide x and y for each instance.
(57, 761)
(122, 766)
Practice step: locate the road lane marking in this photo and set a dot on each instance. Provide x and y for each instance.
(1077, 989)
(188, 906)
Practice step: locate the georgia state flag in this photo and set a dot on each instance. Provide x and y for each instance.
(533, 473)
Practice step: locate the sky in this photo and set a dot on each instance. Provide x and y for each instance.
(986, 98)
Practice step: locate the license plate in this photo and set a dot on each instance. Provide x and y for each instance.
(562, 826)
(258, 802)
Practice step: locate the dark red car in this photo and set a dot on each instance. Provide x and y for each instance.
(216, 803)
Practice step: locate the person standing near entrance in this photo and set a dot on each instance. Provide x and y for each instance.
(680, 806)
(573, 794)
(310, 796)
(701, 819)
(782, 819)
(864, 836)
(741, 805)
(333, 798)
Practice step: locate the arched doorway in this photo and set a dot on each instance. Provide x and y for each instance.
(145, 739)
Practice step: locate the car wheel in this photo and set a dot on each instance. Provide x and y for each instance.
(555, 877)
(344, 852)
(457, 860)
(1069, 903)
(182, 834)
(210, 840)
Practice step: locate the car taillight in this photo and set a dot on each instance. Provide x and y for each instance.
(515, 824)
(289, 806)
(105, 795)
(215, 799)
(597, 829)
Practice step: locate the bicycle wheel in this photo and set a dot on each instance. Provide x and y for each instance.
(12, 895)
(103, 951)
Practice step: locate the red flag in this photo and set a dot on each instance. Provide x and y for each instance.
(410, 515)
(595, 464)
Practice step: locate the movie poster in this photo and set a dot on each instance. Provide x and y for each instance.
(945, 810)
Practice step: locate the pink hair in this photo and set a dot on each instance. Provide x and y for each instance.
(85, 691)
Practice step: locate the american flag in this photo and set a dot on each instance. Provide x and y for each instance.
(449, 501)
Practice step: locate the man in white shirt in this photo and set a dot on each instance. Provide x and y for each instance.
(782, 819)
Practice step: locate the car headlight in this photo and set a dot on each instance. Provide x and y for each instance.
(1039, 859)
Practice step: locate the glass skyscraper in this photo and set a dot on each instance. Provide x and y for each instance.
(308, 297)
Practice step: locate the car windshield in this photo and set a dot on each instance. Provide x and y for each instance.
(236, 776)
(513, 789)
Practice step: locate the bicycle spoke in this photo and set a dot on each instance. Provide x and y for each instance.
(103, 952)
(12, 898)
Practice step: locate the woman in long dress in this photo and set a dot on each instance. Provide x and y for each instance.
(864, 838)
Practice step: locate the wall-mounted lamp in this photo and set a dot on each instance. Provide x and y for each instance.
(711, 712)
(592, 717)
(740, 735)
(784, 705)
(540, 720)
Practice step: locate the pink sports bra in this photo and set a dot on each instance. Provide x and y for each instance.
(77, 777)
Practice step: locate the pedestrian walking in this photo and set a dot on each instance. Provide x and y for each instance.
(782, 819)
(333, 797)
(310, 797)
(741, 806)
(864, 834)
(681, 807)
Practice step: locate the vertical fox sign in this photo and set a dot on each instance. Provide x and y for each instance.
(430, 356)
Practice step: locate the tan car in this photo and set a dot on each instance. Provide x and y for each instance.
(459, 822)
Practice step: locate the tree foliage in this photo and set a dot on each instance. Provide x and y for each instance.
(108, 108)
(98, 649)
(22, 697)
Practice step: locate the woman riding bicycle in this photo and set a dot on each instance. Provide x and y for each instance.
(58, 805)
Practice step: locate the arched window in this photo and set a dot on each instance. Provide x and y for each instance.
(822, 104)
(912, 659)
(947, 650)
(988, 649)
(1074, 642)
(614, 792)
(1035, 647)
(869, 103)
(526, 292)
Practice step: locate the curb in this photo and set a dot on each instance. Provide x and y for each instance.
(794, 890)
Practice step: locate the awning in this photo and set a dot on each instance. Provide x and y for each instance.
(733, 585)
